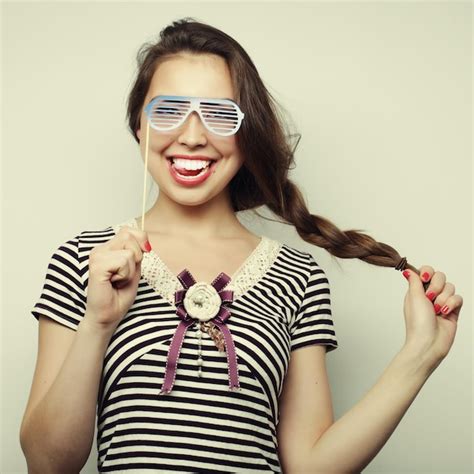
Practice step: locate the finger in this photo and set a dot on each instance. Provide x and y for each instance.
(453, 315)
(127, 233)
(426, 272)
(119, 284)
(128, 240)
(124, 265)
(440, 300)
(438, 280)
(414, 282)
(452, 304)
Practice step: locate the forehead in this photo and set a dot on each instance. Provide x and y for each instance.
(192, 75)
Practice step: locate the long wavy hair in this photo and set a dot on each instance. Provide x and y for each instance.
(263, 139)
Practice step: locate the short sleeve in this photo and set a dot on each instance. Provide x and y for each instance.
(313, 322)
(63, 297)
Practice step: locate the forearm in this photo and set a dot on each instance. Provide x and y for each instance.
(351, 443)
(58, 435)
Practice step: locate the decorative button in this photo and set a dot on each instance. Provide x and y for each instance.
(202, 301)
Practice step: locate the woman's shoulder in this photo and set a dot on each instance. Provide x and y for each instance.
(291, 253)
(101, 233)
(86, 239)
(290, 248)
(104, 232)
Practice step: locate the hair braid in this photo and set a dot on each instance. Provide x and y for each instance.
(322, 232)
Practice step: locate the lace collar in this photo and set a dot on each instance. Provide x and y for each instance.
(166, 283)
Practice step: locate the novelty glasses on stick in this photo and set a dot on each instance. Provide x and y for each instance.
(220, 116)
(165, 113)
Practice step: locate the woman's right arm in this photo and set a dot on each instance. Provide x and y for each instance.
(58, 427)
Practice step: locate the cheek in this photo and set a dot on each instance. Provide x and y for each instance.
(227, 146)
(158, 143)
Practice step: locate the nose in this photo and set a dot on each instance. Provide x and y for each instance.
(193, 131)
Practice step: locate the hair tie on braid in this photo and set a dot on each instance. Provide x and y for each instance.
(401, 264)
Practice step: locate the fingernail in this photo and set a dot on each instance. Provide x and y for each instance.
(147, 246)
(425, 276)
(430, 295)
(406, 274)
(436, 308)
(445, 309)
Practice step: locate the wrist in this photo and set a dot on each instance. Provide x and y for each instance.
(95, 329)
(420, 360)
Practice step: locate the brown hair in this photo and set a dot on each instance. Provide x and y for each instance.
(263, 139)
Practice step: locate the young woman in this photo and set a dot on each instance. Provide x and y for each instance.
(199, 345)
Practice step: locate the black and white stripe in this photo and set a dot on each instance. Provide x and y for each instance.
(200, 426)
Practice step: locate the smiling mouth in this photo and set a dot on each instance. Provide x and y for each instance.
(192, 174)
(189, 172)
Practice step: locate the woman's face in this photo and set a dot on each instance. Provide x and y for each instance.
(198, 76)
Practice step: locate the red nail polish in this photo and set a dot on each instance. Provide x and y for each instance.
(425, 277)
(430, 295)
(445, 309)
(406, 274)
(147, 246)
(436, 308)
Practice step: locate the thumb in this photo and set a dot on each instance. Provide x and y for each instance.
(138, 269)
(414, 282)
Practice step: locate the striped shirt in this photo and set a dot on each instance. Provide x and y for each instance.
(281, 303)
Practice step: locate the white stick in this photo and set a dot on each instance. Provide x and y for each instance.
(144, 175)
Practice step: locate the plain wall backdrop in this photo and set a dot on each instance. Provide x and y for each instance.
(381, 93)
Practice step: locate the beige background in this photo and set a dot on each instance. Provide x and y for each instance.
(381, 93)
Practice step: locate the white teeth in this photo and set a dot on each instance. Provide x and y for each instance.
(190, 164)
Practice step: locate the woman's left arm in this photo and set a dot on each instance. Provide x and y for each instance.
(351, 442)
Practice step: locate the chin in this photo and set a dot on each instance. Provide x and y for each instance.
(193, 197)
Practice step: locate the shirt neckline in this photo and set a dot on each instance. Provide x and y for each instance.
(134, 223)
(252, 269)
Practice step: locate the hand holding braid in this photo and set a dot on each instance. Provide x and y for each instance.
(427, 335)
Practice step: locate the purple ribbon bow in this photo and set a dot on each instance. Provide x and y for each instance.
(223, 313)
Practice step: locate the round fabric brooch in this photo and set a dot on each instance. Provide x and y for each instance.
(202, 301)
